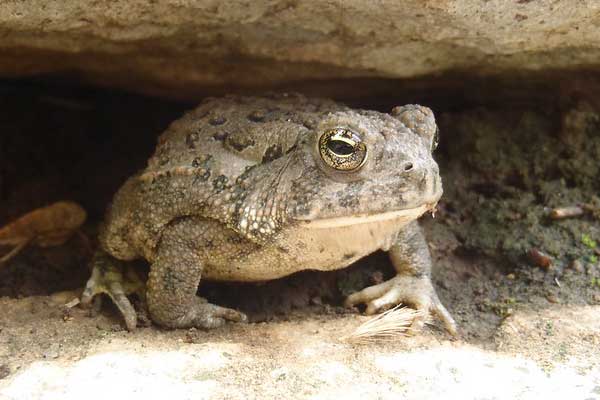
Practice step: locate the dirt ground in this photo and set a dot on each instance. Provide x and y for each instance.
(529, 328)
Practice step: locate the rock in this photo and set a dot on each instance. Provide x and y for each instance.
(185, 47)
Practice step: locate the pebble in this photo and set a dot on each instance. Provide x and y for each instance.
(576, 265)
(539, 258)
(552, 298)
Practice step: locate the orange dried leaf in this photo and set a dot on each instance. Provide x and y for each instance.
(46, 226)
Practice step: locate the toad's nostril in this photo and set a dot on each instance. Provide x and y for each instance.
(408, 166)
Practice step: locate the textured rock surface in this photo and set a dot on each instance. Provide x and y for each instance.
(182, 46)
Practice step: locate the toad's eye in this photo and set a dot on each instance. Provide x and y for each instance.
(342, 149)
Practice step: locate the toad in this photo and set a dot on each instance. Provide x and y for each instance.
(257, 188)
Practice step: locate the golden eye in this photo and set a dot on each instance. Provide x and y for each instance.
(342, 149)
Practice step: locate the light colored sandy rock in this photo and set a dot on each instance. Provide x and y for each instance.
(184, 46)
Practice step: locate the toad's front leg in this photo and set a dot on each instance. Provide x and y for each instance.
(412, 285)
(173, 281)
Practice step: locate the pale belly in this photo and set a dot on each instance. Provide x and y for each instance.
(318, 245)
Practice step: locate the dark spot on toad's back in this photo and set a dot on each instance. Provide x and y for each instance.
(220, 136)
(220, 183)
(202, 175)
(239, 143)
(273, 152)
(202, 162)
(215, 121)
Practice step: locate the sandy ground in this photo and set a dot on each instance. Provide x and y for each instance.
(49, 354)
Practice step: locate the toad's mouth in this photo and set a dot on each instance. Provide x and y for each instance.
(397, 216)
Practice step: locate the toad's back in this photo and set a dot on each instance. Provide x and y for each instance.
(203, 164)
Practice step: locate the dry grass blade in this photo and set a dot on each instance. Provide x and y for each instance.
(393, 323)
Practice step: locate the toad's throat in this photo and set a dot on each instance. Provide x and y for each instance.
(398, 216)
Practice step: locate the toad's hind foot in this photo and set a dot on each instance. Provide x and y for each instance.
(414, 291)
(111, 277)
(204, 315)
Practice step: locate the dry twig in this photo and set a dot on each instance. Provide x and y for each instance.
(566, 212)
(572, 211)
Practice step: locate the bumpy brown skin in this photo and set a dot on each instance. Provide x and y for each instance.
(237, 189)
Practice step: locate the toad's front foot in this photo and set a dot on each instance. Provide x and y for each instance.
(112, 278)
(415, 291)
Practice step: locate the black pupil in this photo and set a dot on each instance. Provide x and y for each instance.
(340, 148)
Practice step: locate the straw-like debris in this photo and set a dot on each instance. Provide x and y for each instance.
(393, 323)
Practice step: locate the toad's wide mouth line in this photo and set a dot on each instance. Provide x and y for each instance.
(406, 215)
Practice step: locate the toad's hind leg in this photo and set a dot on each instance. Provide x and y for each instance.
(115, 279)
(174, 277)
